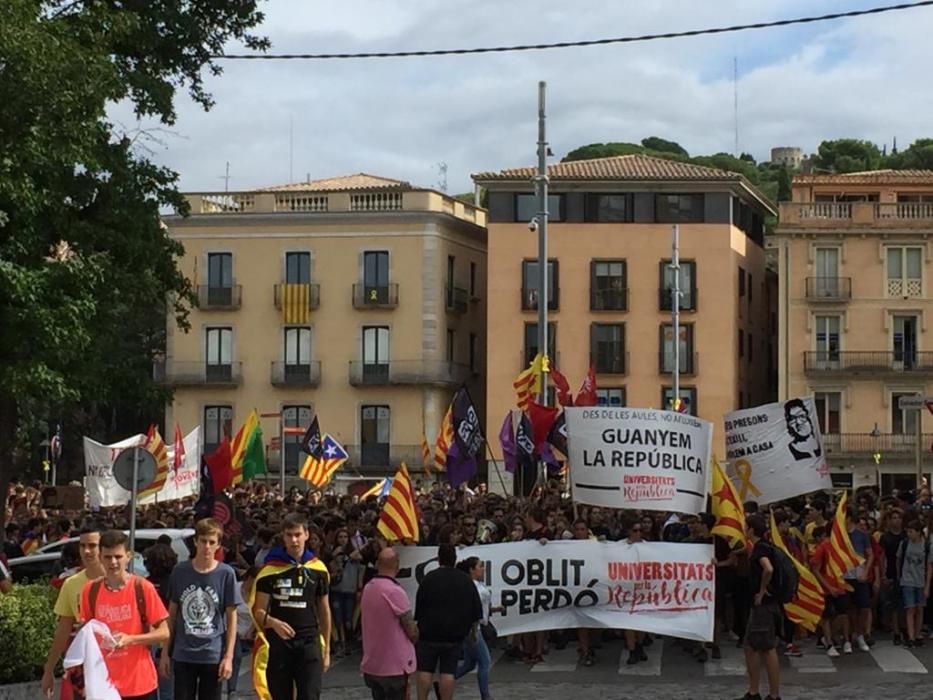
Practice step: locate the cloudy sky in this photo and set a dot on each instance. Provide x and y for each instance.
(865, 77)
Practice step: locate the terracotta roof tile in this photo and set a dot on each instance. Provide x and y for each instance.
(359, 181)
(628, 167)
(869, 177)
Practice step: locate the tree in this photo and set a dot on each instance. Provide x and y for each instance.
(87, 272)
(847, 156)
(784, 193)
(603, 150)
(656, 143)
(919, 156)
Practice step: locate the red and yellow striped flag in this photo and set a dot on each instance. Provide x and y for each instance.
(806, 608)
(156, 445)
(318, 472)
(426, 460)
(727, 509)
(527, 384)
(445, 438)
(399, 518)
(842, 555)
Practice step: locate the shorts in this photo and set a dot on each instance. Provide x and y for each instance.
(764, 621)
(912, 597)
(387, 687)
(430, 655)
(861, 594)
(837, 605)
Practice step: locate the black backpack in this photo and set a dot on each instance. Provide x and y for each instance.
(785, 578)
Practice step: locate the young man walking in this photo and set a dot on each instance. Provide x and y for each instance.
(203, 598)
(292, 617)
(130, 606)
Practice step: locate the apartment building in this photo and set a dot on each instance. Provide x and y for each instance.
(609, 283)
(854, 314)
(359, 298)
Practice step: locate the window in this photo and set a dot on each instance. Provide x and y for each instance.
(686, 348)
(679, 208)
(531, 342)
(374, 435)
(530, 282)
(614, 396)
(473, 362)
(751, 347)
(827, 405)
(827, 338)
(219, 279)
(297, 354)
(376, 269)
(688, 395)
(294, 417)
(827, 263)
(375, 353)
(451, 265)
(688, 285)
(903, 421)
(741, 282)
(609, 208)
(741, 343)
(298, 268)
(905, 271)
(219, 353)
(473, 291)
(450, 344)
(607, 348)
(218, 424)
(526, 207)
(607, 285)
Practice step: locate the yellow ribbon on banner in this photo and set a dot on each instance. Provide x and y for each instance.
(743, 468)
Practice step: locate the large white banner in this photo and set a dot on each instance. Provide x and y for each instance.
(658, 587)
(103, 490)
(775, 452)
(638, 458)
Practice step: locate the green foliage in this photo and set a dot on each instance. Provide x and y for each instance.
(847, 156)
(919, 156)
(656, 143)
(26, 627)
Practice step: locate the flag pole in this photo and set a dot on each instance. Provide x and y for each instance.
(675, 316)
(541, 184)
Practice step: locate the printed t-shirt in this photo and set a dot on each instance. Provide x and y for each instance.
(68, 603)
(131, 669)
(293, 598)
(202, 600)
(387, 650)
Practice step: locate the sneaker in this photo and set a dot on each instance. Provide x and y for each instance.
(589, 659)
(898, 640)
(792, 650)
(909, 644)
(832, 652)
(918, 643)
(717, 654)
(870, 641)
(862, 644)
(847, 647)
(821, 643)
(702, 656)
(633, 658)
(642, 656)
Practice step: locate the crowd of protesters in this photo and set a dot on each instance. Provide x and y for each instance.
(889, 592)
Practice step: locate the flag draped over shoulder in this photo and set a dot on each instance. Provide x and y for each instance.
(399, 518)
(842, 555)
(156, 445)
(528, 383)
(277, 563)
(727, 508)
(318, 472)
(247, 451)
(806, 608)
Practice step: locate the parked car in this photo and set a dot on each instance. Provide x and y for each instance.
(45, 561)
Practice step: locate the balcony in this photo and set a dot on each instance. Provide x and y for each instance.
(457, 300)
(219, 298)
(829, 289)
(303, 296)
(890, 445)
(402, 372)
(174, 373)
(689, 363)
(831, 363)
(286, 374)
(898, 215)
(688, 299)
(375, 297)
(609, 300)
(530, 299)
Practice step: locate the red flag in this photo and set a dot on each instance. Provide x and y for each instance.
(221, 467)
(587, 394)
(564, 397)
(179, 447)
(542, 420)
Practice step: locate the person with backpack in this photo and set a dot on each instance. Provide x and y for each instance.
(765, 617)
(914, 572)
(130, 606)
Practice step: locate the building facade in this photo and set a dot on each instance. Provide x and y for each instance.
(609, 282)
(854, 259)
(359, 298)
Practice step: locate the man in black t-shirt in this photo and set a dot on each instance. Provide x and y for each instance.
(292, 609)
(891, 541)
(447, 608)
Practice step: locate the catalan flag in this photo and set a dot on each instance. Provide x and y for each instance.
(426, 460)
(318, 472)
(156, 445)
(399, 518)
(445, 438)
(730, 516)
(527, 385)
(380, 489)
(247, 453)
(806, 608)
(295, 301)
(842, 555)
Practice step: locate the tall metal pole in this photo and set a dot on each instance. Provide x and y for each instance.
(675, 315)
(918, 449)
(133, 493)
(282, 452)
(541, 184)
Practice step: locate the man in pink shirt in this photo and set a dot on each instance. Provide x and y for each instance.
(389, 632)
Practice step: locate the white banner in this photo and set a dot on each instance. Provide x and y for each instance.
(658, 587)
(638, 458)
(103, 490)
(775, 452)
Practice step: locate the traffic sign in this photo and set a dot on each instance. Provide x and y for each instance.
(915, 402)
(145, 468)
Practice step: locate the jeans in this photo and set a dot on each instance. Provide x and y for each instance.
(294, 671)
(243, 647)
(476, 655)
(196, 681)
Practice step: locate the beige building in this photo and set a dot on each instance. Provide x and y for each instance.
(854, 309)
(359, 298)
(609, 283)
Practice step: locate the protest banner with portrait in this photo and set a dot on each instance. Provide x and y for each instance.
(775, 451)
(658, 587)
(638, 458)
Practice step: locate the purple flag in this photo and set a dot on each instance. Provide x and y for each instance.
(460, 467)
(507, 441)
(548, 457)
